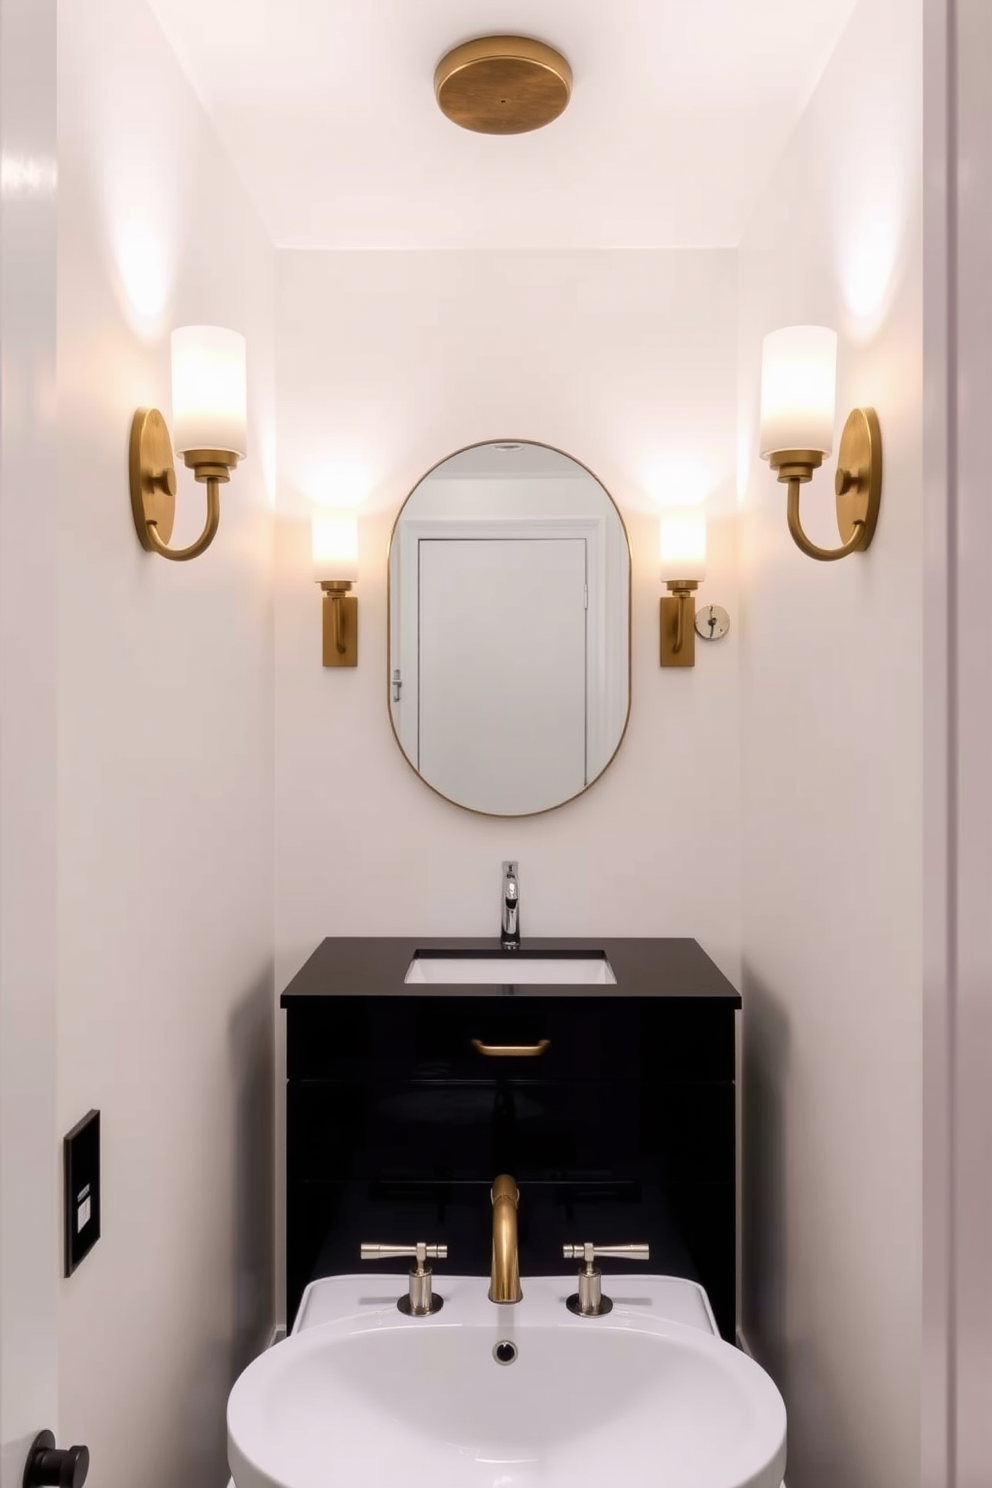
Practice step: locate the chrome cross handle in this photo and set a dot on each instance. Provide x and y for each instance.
(588, 1252)
(420, 1300)
(371, 1252)
(589, 1301)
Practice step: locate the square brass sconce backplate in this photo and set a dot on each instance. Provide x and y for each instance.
(340, 626)
(678, 627)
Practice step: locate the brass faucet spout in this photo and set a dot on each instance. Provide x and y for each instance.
(504, 1285)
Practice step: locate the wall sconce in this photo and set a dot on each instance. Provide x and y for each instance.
(210, 422)
(798, 393)
(682, 548)
(334, 544)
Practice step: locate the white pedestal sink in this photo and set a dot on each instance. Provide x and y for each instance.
(646, 1397)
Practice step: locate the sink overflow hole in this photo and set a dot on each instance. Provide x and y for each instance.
(504, 1352)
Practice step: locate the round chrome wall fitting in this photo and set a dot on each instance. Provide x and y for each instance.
(502, 84)
(712, 622)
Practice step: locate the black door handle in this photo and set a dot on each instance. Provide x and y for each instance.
(48, 1468)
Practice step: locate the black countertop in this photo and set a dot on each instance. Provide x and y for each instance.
(374, 966)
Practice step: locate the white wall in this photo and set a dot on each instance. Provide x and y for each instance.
(386, 362)
(28, 535)
(970, 796)
(941, 1369)
(164, 776)
(832, 708)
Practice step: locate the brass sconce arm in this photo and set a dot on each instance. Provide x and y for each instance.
(153, 485)
(339, 644)
(683, 594)
(180, 555)
(336, 591)
(825, 555)
(858, 485)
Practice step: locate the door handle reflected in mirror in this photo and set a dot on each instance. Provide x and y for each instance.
(511, 1051)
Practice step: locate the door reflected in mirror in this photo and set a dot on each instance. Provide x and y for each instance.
(509, 628)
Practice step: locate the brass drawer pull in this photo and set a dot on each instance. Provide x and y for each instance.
(511, 1051)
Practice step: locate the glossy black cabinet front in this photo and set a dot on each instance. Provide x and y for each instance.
(622, 1129)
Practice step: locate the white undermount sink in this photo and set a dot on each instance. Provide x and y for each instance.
(509, 968)
(647, 1397)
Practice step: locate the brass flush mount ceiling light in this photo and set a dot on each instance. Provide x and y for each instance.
(502, 84)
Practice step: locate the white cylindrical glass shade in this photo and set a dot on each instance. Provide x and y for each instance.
(798, 389)
(209, 390)
(334, 545)
(682, 544)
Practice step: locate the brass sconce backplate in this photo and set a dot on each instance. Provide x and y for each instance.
(678, 629)
(153, 476)
(502, 84)
(859, 475)
(340, 625)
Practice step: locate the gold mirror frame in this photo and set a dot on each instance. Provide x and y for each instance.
(486, 444)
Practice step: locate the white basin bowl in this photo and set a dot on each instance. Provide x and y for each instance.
(510, 969)
(377, 1400)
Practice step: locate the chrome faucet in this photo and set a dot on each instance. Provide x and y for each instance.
(509, 934)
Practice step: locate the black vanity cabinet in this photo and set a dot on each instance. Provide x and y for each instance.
(621, 1129)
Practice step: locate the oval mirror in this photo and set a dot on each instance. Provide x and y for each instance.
(509, 628)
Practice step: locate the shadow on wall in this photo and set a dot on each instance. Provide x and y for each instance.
(200, 1459)
(766, 1054)
(792, 1361)
(252, 1048)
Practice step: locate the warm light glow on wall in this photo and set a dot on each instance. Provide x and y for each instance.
(693, 477)
(869, 260)
(871, 191)
(145, 270)
(340, 481)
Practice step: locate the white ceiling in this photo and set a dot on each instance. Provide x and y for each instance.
(679, 112)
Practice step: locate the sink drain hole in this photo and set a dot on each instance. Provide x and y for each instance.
(505, 1352)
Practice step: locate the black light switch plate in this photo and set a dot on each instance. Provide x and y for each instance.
(81, 1151)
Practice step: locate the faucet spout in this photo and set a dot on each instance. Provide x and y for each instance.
(504, 1285)
(509, 930)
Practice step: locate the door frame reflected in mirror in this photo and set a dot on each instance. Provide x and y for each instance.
(392, 683)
